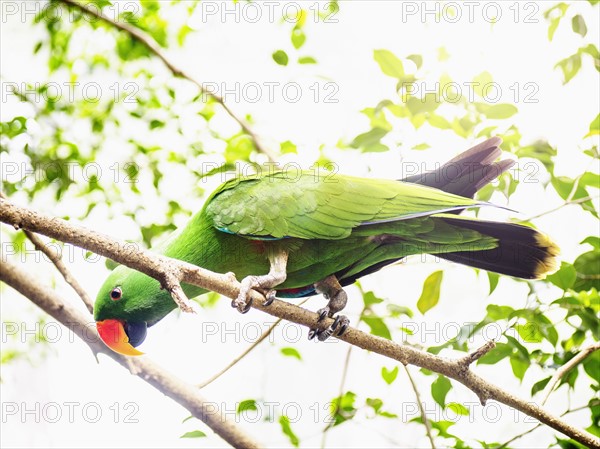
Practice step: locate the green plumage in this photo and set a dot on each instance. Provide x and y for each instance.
(329, 225)
(320, 207)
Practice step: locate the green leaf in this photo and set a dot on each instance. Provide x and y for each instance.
(438, 121)
(298, 38)
(111, 264)
(422, 105)
(591, 240)
(286, 428)
(439, 389)
(501, 351)
(368, 139)
(540, 150)
(493, 280)
(569, 66)
(565, 277)
(288, 147)
(281, 57)
(591, 50)
(482, 81)
(519, 366)
(500, 111)
(307, 60)
(417, 59)
(591, 365)
(378, 326)
(374, 403)
(291, 352)
(587, 267)
(389, 375)
(343, 407)
(396, 310)
(369, 299)
(421, 146)
(389, 63)
(248, 404)
(459, 409)
(496, 312)
(578, 25)
(540, 385)
(16, 126)
(193, 434)
(431, 292)
(594, 127)
(529, 332)
(555, 14)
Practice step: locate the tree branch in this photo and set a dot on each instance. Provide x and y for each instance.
(55, 258)
(153, 47)
(559, 374)
(159, 267)
(537, 426)
(79, 323)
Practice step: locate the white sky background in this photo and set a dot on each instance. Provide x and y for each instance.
(232, 51)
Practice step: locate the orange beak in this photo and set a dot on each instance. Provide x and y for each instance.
(113, 335)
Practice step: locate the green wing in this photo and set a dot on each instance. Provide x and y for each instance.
(307, 206)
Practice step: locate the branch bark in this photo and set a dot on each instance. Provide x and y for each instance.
(161, 267)
(79, 322)
(153, 47)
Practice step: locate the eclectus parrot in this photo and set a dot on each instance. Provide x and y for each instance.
(296, 235)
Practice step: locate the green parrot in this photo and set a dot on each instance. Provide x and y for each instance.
(300, 233)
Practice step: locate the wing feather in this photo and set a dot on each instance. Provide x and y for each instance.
(317, 207)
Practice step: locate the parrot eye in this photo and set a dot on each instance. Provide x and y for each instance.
(116, 294)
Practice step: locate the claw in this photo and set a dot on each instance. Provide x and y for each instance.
(270, 298)
(343, 322)
(325, 334)
(343, 328)
(312, 333)
(241, 305)
(323, 313)
(247, 306)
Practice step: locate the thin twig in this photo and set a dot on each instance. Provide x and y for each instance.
(158, 267)
(339, 399)
(560, 373)
(148, 42)
(566, 203)
(247, 351)
(55, 258)
(537, 426)
(424, 417)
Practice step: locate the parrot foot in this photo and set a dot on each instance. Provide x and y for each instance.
(276, 276)
(339, 326)
(333, 291)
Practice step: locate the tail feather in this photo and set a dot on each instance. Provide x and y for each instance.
(522, 251)
(468, 172)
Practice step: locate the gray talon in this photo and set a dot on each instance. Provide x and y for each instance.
(247, 306)
(343, 322)
(323, 313)
(270, 298)
(325, 334)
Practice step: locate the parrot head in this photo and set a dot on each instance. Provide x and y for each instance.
(127, 304)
